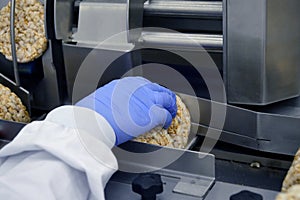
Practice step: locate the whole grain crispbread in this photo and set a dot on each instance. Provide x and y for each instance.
(176, 135)
(11, 107)
(30, 36)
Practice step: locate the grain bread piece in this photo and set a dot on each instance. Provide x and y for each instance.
(293, 193)
(157, 136)
(176, 135)
(291, 185)
(11, 107)
(293, 175)
(30, 36)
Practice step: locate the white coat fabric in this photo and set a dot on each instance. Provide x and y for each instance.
(67, 156)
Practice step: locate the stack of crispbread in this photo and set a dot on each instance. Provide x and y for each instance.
(30, 36)
(11, 107)
(176, 135)
(291, 183)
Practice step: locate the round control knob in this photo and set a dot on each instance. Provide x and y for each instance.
(246, 195)
(148, 186)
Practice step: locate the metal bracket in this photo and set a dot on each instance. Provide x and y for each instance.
(135, 13)
(63, 18)
(193, 186)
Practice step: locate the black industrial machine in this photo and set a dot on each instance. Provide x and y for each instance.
(254, 46)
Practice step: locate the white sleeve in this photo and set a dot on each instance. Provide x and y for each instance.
(67, 156)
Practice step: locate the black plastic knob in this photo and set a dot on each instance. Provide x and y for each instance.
(148, 186)
(246, 195)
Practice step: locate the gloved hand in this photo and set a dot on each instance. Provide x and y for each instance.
(132, 106)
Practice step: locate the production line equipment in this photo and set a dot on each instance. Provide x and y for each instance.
(253, 45)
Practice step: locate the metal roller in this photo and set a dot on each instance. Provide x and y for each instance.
(182, 8)
(171, 9)
(180, 40)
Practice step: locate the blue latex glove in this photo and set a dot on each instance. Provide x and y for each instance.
(132, 106)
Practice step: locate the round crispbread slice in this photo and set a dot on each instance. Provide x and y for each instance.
(30, 36)
(11, 107)
(293, 193)
(157, 136)
(176, 135)
(293, 175)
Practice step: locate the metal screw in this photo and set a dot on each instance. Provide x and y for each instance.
(256, 165)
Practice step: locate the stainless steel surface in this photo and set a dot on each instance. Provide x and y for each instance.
(192, 187)
(203, 161)
(87, 57)
(261, 58)
(107, 19)
(196, 178)
(63, 18)
(222, 191)
(269, 129)
(12, 42)
(104, 41)
(183, 8)
(117, 189)
(119, 186)
(182, 41)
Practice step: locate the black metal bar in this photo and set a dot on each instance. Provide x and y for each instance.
(57, 52)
